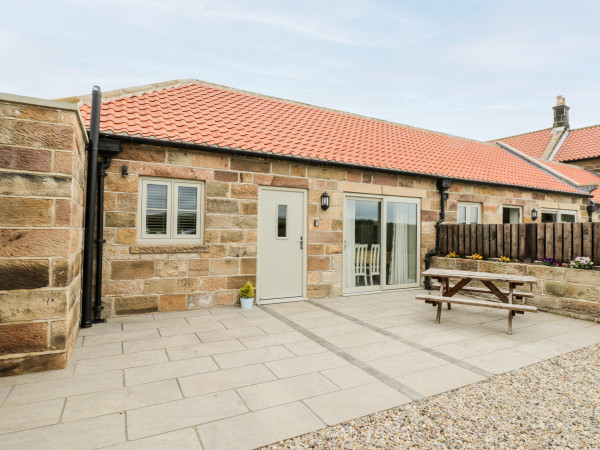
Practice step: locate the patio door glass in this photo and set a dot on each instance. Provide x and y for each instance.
(363, 243)
(401, 243)
(381, 243)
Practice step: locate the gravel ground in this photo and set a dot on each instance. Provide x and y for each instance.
(554, 403)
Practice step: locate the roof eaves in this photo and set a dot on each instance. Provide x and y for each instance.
(321, 161)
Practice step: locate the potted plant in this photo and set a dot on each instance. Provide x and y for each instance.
(247, 295)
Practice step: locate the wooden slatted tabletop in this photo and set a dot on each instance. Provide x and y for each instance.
(446, 273)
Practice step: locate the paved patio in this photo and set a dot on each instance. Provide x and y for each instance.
(229, 378)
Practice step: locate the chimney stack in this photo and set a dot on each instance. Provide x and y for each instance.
(561, 113)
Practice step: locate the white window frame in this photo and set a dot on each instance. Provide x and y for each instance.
(559, 213)
(518, 208)
(468, 206)
(171, 236)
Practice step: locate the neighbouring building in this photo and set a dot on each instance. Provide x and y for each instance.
(205, 187)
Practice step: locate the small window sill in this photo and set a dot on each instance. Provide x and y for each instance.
(164, 248)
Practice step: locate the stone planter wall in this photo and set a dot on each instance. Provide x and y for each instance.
(571, 292)
(42, 146)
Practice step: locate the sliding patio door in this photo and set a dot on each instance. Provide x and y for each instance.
(381, 243)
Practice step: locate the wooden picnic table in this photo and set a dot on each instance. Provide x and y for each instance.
(489, 280)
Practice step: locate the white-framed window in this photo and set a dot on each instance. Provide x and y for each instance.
(512, 214)
(171, 211)
(558, 215)
(469, 213)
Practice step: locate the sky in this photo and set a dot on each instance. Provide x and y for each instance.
(477, 69)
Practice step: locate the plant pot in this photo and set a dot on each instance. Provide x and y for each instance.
(247, 302)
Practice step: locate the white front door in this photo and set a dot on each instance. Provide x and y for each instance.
(281, 244)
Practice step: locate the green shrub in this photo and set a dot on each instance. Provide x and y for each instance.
(247, 291)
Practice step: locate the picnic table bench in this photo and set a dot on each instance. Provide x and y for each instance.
(506, 297)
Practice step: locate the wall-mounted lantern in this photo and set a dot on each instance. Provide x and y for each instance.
(534, 214)
(325, 201)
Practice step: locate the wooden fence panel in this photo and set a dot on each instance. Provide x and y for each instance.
(444, 240)
(558, 243)
(567, 242)
(541, 241)
(586, 240)
(577, 239)
(549, 253)
(506, 236)
(561, 241)
(500, 240)
(485, 237)
(596, 241)
(520, 229)
(493, 241)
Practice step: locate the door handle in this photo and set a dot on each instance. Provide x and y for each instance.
(301, 242)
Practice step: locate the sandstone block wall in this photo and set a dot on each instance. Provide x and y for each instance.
(571, 292)
(42, 145)
(591, 164)
(144, 278)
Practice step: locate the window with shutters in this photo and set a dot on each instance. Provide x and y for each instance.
(170, 211)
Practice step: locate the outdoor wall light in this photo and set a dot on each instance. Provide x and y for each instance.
(124, 170)
(325, 201)
(534, 214)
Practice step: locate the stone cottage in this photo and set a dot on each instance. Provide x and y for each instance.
(202, 188)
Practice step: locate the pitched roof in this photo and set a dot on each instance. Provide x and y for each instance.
(532, 144)
(582, 143)
(201, 113)
(578, 174)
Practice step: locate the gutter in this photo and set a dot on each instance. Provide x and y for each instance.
(443, 185)
(311, 161)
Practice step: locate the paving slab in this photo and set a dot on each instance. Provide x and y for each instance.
(439, 379)
(305, 348)
(167, 370)
(377, 350)
(259, 428)
(109, 363)
(96, 351)
(502, 360)
(348, 376)
(223, 380)
(121, 399)
(157, 419)
(82, 434)
(120, 337)
(286, 390)
(187, 329)
(209, 348)
(235, 333)
(252, 356)
(306, 364)
(406, 363)
(181, 439)
(272, 339)
(59, 388)
(178, 340)
(359, 401)
(35, 415)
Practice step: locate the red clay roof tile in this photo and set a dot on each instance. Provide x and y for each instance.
(200, 113)
(582, 143)
(532, 144)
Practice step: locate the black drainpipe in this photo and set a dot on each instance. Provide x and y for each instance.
(90, 210)
(443, 185)
(591, 208)
(102, 166)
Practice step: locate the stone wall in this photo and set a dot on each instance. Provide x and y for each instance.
(571, 292)
(145, 278)
(42, 145)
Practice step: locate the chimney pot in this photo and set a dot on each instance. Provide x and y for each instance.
(560, 100)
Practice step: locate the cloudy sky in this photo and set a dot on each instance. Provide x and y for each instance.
(479, 69)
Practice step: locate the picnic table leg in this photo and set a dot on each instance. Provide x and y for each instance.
(447, 282)
(439, 312)
(510, 316)
(511, 297)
